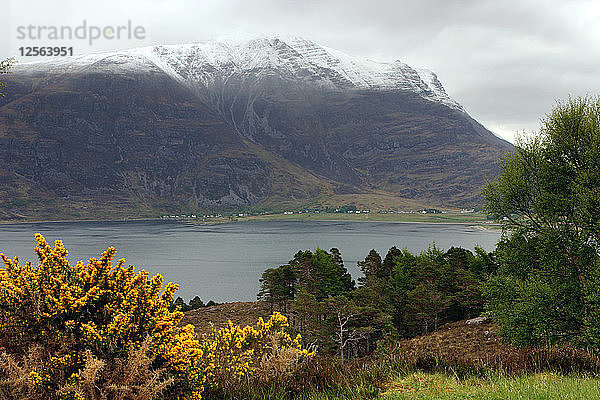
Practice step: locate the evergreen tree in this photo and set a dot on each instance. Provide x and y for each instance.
(179, 304)
(196, 303)
(389, 263)
(484, 263)
(278, 286)
(321, 273)
(341, 280)
(458, 257)
(370, 267)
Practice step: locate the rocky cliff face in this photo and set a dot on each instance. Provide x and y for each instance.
(234, 123)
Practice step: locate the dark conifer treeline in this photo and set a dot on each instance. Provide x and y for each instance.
(402, 295)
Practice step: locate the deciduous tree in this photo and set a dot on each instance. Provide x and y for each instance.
(548, 197)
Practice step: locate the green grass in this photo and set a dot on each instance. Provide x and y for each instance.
(547, 386)
(429, 386)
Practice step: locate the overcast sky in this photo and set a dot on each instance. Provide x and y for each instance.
(505, 61)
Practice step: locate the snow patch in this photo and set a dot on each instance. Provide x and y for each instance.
(199, 65)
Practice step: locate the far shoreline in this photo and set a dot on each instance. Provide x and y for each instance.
(474, 224)
(270, 218)
(58, 221)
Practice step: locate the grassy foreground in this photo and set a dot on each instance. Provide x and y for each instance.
(458, 361)
(545, 386)
(440, 386)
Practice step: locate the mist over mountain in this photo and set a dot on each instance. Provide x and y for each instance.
(229, 124)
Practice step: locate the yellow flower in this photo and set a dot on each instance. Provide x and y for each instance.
(109, 308)
(34, 378)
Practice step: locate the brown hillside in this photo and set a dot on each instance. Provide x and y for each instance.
(458, 348)
(240, 313)
(463, 347)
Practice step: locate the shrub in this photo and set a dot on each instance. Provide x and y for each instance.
(66, 328)
(263, 352)
(99, 330)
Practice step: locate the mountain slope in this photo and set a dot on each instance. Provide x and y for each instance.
(232, 124)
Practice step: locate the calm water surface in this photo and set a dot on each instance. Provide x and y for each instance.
(224, 262)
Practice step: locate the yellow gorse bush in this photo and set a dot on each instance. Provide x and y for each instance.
(235, 352)
(100, 330)
(99, 306)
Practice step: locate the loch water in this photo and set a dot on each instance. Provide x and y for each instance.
(224, 262)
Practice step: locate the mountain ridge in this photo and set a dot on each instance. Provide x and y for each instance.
(261, 52)
(234, 125)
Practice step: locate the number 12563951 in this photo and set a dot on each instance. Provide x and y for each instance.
(46, 51)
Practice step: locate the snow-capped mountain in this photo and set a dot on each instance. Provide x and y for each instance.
(203, 65)
(233, 123)
(295, 58)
